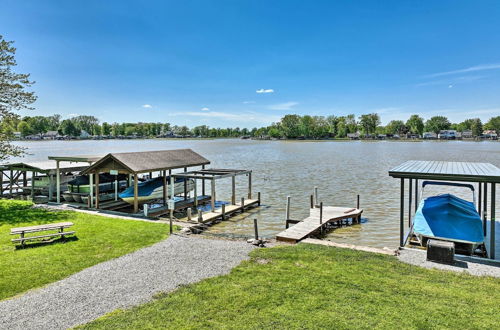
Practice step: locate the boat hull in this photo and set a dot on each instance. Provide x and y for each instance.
(156, 193)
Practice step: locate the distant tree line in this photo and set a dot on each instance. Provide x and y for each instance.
(290, 126)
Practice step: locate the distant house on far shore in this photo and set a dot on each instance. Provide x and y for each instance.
(429, 135)
(490, 134)
(50, 135)
(353, 136)
(447, 134)
(467, 134)
(84, 134)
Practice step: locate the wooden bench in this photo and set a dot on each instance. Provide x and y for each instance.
(34, 229)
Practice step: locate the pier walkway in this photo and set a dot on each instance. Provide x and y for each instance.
(316, 220)
(223, 212)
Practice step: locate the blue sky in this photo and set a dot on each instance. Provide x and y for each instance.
(247, 63)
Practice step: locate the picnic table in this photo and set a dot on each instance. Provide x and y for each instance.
(22, 231)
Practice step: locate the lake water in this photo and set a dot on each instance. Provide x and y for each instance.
(340, 170)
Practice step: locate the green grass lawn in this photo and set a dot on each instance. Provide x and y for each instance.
(97, 239)
(309, 286)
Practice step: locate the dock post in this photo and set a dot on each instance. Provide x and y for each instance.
(203, 182)
(479, 205)
(312, 201)
(287, 214)
(223, 211)
(233, 190)
(136, 193)
(33, 174)
(492, 221)
(258, 198)
(316, 196)
(358, 219)
(242, 204)
(321, 218)
(250, 185)
(256, 229)
(189, 214)
(185, 185)
(402, 214)
(212, 200)
(170, 220)
(195, 192)
(200, 216)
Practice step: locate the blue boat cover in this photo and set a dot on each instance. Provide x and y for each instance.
(146, 188)
(449, 217)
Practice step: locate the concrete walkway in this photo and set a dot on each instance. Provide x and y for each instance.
(123, 282)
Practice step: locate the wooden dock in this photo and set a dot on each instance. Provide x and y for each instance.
(179, 205)
(317, 220)
(223, 212)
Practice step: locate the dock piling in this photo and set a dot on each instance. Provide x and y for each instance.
(316, 196)
(321, 218)
(223, 211)
(258, 198)
(312, 201)
(256, 229)
(242, 204)
(189, 214)
(200, 216)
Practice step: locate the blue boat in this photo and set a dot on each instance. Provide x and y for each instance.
(153, 189)
(448, 217)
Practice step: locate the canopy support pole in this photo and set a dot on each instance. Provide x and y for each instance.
(250, 185)
(485, 207)
(416, 195)
(233, 190)
(91, 189)
(97, 190)
(401, 214)
(212, 200)
(58, 182)
(165, 187)
(136, 193)
(410, 189)
(492, 221)
(33, 174)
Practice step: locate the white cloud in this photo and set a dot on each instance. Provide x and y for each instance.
(205, 109)
(475, 68)
(71, 115)
(264, 91)
(450, 86)
(283, 106)
(147, 106)
(248, 102)
(450, 81)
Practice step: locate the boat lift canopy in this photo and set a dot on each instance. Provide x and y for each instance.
(481, 173)
(214, 174)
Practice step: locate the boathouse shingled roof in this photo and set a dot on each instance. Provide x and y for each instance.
(147, 161)
(452, 171)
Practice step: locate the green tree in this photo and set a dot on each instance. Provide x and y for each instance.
(476, 127)
(369, 122)
(415, 124)
(86, 123)
(351, 124)
(24, 128)
(396, 127)
(437, 124)
(14, 95)
(106, 129)
(493, 123)
(67, 127)
(291, 125)
(38, 124)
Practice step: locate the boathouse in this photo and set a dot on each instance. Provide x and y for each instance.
(135, 163)
(483, 174)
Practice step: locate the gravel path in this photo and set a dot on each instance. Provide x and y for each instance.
(123, 282)
(473, 266)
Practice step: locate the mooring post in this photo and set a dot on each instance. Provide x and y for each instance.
(287, 212)
(242, 204)
(321, 217)
(256, 229)
(258, 198)
(316, 196)
(200, 216)
(189, 213)
(358, 219)
(171, 218)
(312, 201)
(223, 211)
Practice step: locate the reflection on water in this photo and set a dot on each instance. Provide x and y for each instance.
(340, 170)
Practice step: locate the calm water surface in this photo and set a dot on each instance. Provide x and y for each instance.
(339, 169)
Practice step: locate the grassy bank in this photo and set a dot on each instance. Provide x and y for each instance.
(308, 286)
(97, 239)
